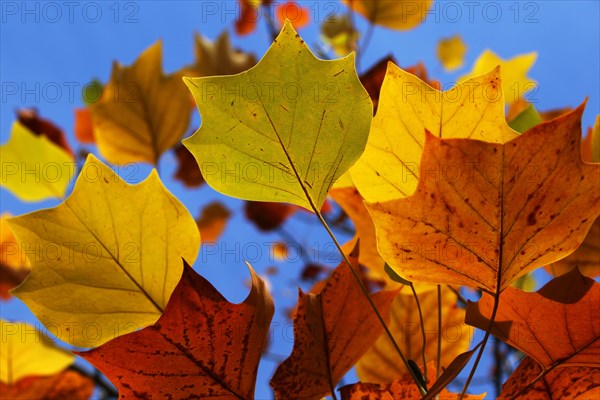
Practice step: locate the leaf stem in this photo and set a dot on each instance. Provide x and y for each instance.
(438, 361)
(368, 296)
(483, 343)
(412, 287)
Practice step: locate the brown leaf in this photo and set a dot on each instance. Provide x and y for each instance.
(219, 57)
(202, 346)
(268, 216)
(68, 384)
(403, 388)
(485, 214)
(188, 171)
(332, 329)
(41, 126)
(557, 325)
(212, 222)
(575, 383)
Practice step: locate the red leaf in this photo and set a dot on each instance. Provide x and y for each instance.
(202, 346)
(188, 171)
(268, 216)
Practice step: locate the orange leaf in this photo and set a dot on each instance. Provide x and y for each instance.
(268, 216)
(403, 388)
(558, 325)
(65, 385)
(188, 171)
(576, 383)
(485, 214)
(249, 16)
(14, 265)
(298, 16)
(202, 346)
(332, 330)
(586, 257)
(212, 222)
(352, 203)
(84, 129)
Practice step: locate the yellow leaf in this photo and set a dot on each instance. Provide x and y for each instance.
(515, 82)
(107, 259)
(142, 113)
(283, 131)
(393, 14)
(381, 364)
(451, 52)
(24, 352)
(34, 168)
(389, 167)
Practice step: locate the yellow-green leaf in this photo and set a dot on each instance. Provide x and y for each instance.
(284, 130)
(527, 119)
(106, 260)
(34, 168)
(389, 167)
(142, 113)
(394, 14)
(515, 82)
(451, 52)
(24, 352)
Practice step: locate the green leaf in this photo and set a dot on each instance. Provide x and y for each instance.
(528, 118)
(394, 275)
(283, 131)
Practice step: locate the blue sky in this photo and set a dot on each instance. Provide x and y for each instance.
(49, 51)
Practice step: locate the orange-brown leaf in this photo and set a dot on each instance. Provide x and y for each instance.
(202, 346)
(403, 388)
(68, 384)
(485, 214)
(332, 329)
(557, 325)
(575, 383)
